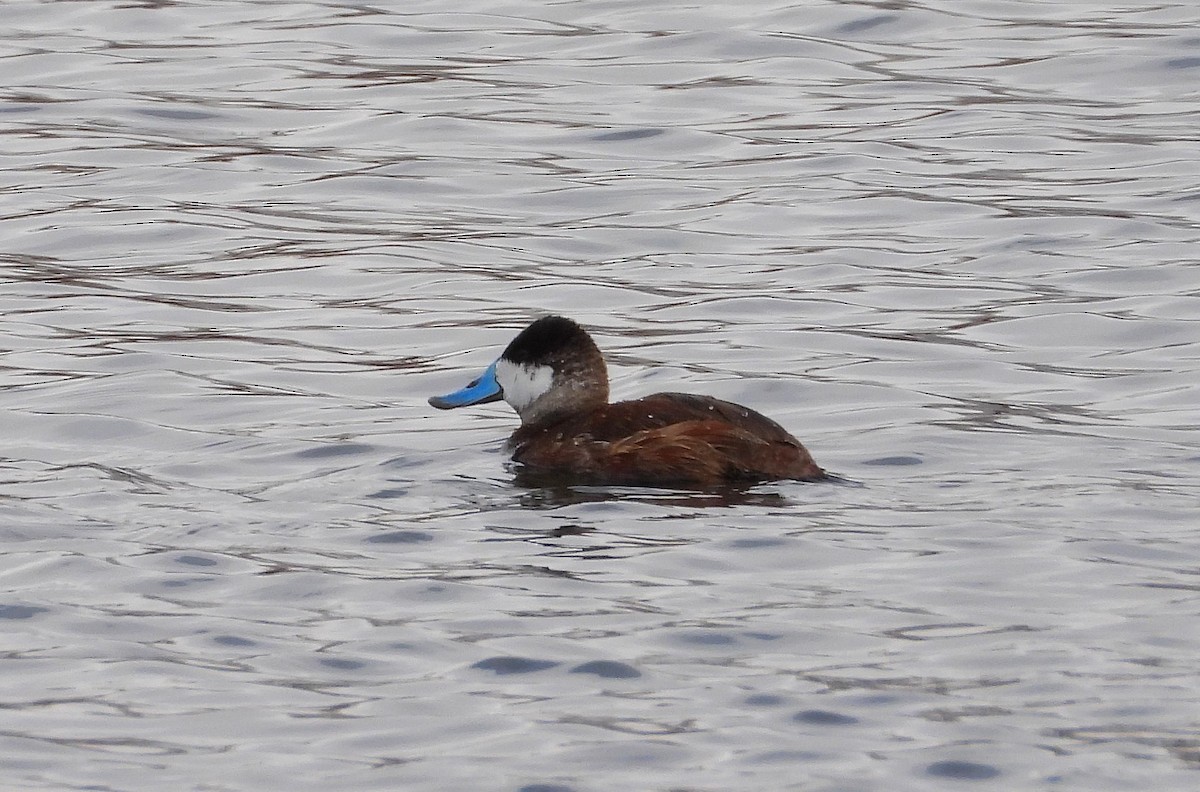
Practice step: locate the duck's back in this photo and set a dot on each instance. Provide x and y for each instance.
(667, 438)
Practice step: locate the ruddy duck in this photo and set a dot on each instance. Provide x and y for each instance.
(554, 376)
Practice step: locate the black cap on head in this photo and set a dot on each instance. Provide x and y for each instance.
(545, 340)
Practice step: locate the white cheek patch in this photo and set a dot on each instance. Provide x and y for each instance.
(523, 384)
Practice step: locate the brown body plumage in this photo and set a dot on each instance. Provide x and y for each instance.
(668, 438)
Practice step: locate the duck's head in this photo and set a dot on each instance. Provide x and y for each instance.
(552, 366)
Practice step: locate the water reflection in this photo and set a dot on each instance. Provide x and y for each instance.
(549, 490)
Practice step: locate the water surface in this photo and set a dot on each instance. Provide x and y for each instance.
(952, 246)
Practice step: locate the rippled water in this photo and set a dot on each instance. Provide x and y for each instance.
(951, 245)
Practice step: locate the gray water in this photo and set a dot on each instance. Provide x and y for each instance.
(950, 245)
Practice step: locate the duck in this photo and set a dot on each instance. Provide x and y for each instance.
(555, 378)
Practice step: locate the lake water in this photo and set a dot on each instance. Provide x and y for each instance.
(951, 245)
